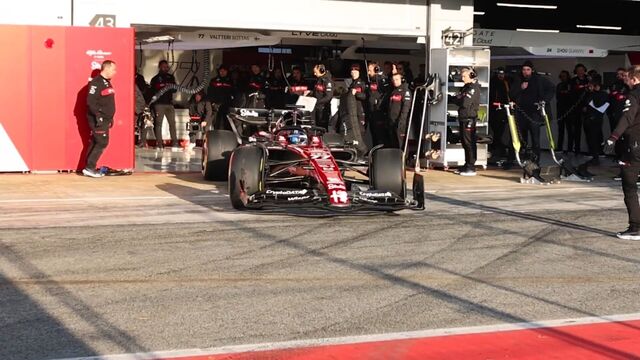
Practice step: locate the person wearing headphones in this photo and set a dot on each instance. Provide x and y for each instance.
(468, 101)
(376, 90)
(528, 90)
(323, 92)
(220, 95)
(398, 107)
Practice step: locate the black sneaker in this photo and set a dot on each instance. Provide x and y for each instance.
(629, 234)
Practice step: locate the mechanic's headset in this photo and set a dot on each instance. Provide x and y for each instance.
(472, 73)
(321, 69)
(376, 68)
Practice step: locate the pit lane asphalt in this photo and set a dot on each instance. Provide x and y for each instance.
(164, 263)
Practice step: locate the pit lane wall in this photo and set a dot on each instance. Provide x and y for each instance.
(45, 71)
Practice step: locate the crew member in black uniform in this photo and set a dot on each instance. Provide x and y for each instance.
(618, 92)
(398, 107)
(468, 101)
(220, 95)
(563, 104)
(101, 105)
(164, 106)
(376, 90)
(596, 100)
(255, 94)
(351, 112)
(527, 91)
(201, 111)
(629, 127)
(275, 90)
(323, 92)
(579, 85)
(499, 93)
(298, 86)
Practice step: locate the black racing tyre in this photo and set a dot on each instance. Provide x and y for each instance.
(216, 151)
(246, 174)
(333, 140)
(386, 171)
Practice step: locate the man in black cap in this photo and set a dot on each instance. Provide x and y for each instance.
(527, 91)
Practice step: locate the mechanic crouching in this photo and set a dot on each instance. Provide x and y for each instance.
(323, 92)
(398, 107)
(201, 111)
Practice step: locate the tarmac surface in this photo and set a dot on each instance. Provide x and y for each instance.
(154, 262)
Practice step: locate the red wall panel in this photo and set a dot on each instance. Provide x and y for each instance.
(15, 89)
(48, 134)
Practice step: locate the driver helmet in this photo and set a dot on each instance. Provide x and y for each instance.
(297, 137)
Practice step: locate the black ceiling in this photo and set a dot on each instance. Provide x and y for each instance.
(623, 13)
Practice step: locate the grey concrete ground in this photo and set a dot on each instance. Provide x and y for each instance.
(161, 262)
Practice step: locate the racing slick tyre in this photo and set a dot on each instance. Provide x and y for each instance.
(386, 171)
(333, 140)
(246, 175)
(216, 151)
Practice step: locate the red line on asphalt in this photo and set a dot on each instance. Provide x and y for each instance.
(610, 340)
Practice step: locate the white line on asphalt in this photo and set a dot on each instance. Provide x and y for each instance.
(367, 338)
(531, 189)
(124, 198)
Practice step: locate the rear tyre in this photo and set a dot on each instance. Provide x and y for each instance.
(216, 151)
(246, 175)
(386, 171)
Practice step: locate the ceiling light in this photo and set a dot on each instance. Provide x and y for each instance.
(532, 6)
(161, 38)
(599, 27)
(539, 30)
(478, 13)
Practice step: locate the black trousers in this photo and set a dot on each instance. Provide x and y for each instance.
(562, 124)
(469, 139)
(574, 130)
(99, 140)
(630, 189)
(498, 126)
(321, 115)
(162, 110)
(593, 133)
(529, 123)
(377, 127)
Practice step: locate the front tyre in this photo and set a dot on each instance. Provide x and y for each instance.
(246, 175)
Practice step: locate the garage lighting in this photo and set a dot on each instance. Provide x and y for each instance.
(599, 27)
(531, 6)
(539, 30)
(162, 38)
(478, 13)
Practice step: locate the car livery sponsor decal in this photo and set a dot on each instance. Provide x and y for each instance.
(375, 194)
(339, 197)
(332, 186)
(287, 192)
(299, 198)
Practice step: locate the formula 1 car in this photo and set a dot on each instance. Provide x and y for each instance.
(273, 157)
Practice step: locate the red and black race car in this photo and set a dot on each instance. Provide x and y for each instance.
(284, 163)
